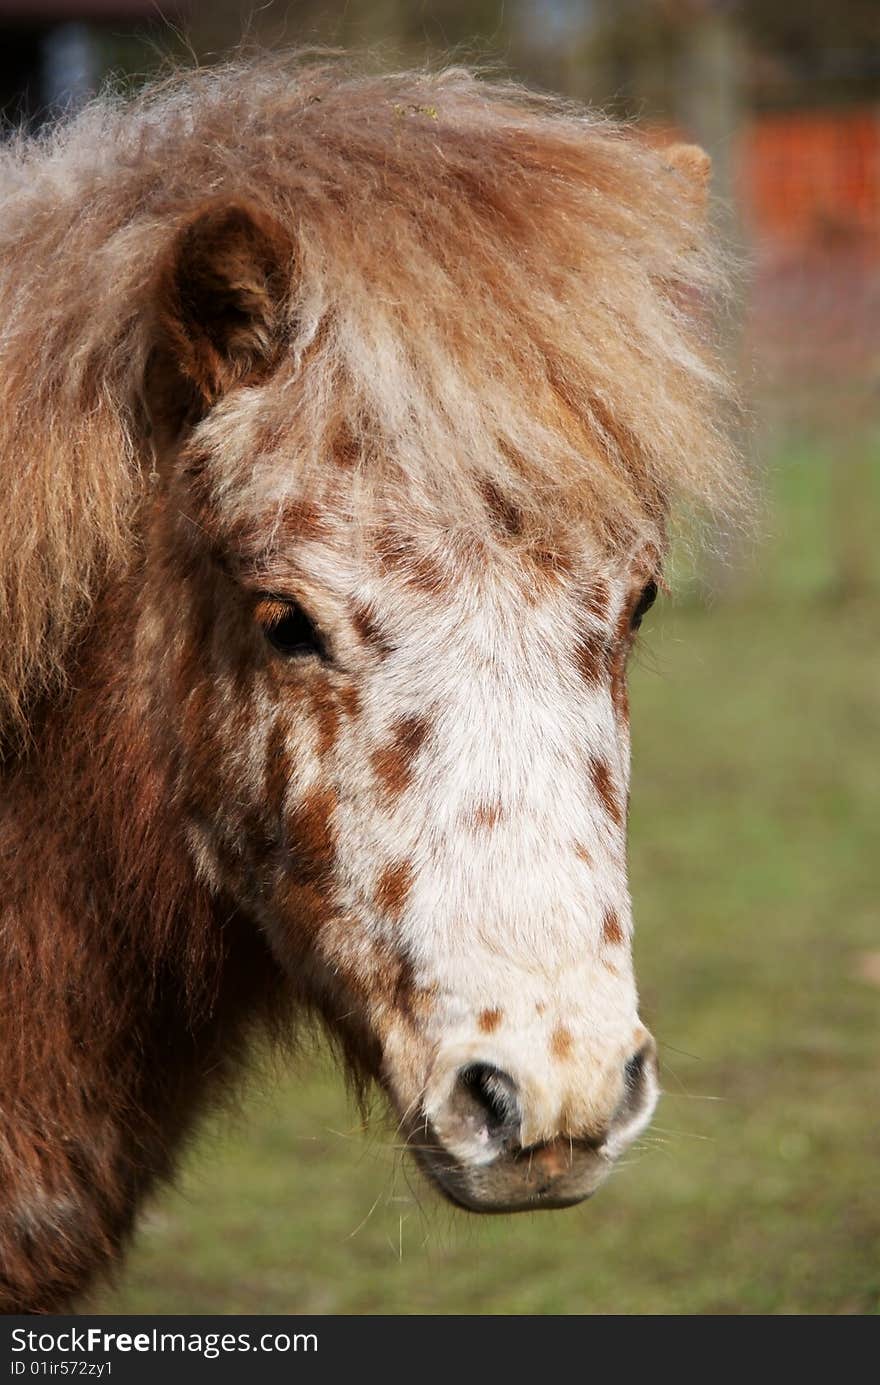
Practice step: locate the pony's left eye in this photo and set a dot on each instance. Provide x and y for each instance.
(288, 628)
(643, 605)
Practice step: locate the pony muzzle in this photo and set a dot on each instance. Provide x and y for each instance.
(494, 1140)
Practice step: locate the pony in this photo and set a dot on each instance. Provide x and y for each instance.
(343, 416)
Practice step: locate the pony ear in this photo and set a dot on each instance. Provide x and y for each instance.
(221, 297)
(694, 165)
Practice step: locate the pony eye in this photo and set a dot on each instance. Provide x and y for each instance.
(644, 604)
(288, 628)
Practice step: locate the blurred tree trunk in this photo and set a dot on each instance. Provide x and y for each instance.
(712, 106)
(712, 110)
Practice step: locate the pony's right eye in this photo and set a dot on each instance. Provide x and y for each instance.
(288, 628)
(643, 605)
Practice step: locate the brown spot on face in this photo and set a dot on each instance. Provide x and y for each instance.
(600, 774)
(403, 985)
(386, 979)
(302, 519)
(561, 1043)
(417, 568)
(540, 1007)
(487, 815)
(393, 764)
(346, 450)
(393, 887)
(326, 709)
(583, 853)
(546, 567)
(364, 622)
(612, 932)
(591, 656)
(506, 515)
(312, 837)
(597, 599)
(554, 561)
(278, 768)
(489, 1020)
(350, 700)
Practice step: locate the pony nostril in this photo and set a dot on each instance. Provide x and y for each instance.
(485, 1098)
(634, 1072)
(640, 1084)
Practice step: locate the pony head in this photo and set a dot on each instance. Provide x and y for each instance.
(412, 381)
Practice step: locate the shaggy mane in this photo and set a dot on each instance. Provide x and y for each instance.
(489, 288)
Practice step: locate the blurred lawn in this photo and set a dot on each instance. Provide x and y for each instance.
(755, 873)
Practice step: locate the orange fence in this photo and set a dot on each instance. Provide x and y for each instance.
(811, 180)
(807, 188)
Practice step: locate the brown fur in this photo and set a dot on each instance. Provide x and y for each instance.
(350, 701)
(612, 933)
(364, 623)
(303, 520)
(489, 1020)
(419, 569)
(311, 835)
(546, 567)
(591, 655)
(596, 599)
(326, 706)
(561, 1042)
(141, 994)
(394, 762)
(603, 783)
(393, 887)
(488, 815)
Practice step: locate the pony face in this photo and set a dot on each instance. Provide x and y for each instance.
(407, 585)
(403, 752)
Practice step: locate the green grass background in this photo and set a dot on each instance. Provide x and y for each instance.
(755, 861)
